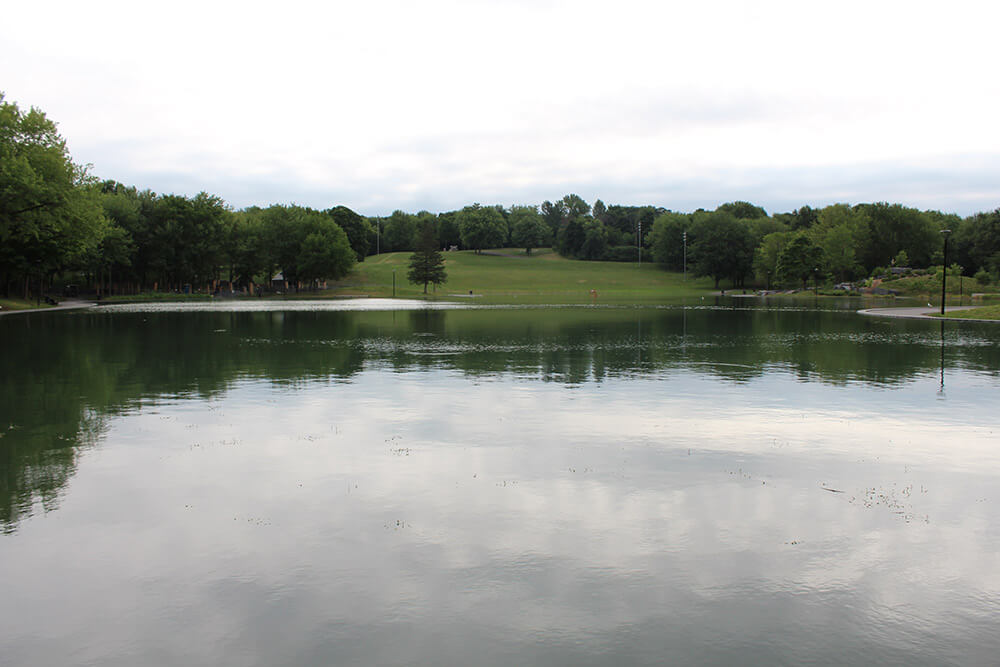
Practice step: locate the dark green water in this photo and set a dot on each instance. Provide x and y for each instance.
(336, 485)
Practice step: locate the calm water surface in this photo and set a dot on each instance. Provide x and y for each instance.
(378, 483)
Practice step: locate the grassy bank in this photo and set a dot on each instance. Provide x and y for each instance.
(984, 313)
(513, 277)
(929, 287)
(21, 304)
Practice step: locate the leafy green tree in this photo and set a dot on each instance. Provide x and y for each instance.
(742, 210)
(629, 220)
(839, 256)
(357, 228)
(767, 255)
(666, 240)
(894, 227)
(305, 244)
(527, 228)
(50, 217)
(112, 255)
(186, 238)
(399, 231)
(575, 206)
(801, 218)
(481, 227)
(427, 263)
(554, 215)
(722, 247)
(842, 233)
(569, 241)
(761, 227)
(595, 239)
(799, 260)
(448, 232)
(600, 210)
(983, 233)
(250, 259)
(325, 252)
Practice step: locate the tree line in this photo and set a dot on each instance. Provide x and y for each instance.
(59, 221)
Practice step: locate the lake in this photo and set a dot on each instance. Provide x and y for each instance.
(378, 482)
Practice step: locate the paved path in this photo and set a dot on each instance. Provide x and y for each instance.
(64, 305)
(921, 313)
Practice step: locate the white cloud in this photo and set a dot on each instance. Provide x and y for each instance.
(404, 105)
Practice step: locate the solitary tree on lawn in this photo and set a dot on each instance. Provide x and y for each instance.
(426, 263)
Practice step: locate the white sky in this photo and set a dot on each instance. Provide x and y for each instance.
(437, 104)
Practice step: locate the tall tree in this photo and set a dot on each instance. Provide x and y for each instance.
(600, 210)
(554, 215)
(842, 233)
(722, 247)
(743, 210)
(357, 228)
(595, 239)
(427, 263)
(49, 218)
(527, 228)
(482, 227)
(666, 239)
(767, 255)
(799, 260)
(983, 233)
(569, 241)
(398, 232)
(575, 206)
(448, 232)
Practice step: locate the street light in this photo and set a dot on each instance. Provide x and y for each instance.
(685, 255)
(638, 244)
(944, 273)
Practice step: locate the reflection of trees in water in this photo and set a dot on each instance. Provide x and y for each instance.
(63, 374)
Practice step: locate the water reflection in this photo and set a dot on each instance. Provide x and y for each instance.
(580, 486)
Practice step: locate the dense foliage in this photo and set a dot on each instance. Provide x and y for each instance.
(57, 223)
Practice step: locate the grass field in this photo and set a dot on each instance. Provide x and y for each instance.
(513, 277)
(20, 304)
(984, 313)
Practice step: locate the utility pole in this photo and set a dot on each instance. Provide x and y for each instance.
(685, 255)
(638, 244)
(944, 273)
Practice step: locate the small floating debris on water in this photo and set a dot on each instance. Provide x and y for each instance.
(826, 488)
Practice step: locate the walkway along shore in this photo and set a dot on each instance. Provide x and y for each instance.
(921, 313)
(65, 305)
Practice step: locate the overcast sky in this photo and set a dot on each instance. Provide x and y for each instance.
(436, 104)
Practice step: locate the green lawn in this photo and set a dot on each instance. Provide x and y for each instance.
(20, 304)
(542, 277)
(984, 313)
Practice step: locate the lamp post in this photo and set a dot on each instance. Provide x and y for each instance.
(944, 273)
(638, 244)
(685, 255)
(816, 282)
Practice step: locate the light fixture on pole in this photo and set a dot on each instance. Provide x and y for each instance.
(685, 255)
(944, 269)
(638, 244)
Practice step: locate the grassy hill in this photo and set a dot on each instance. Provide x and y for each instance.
(509, 276)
